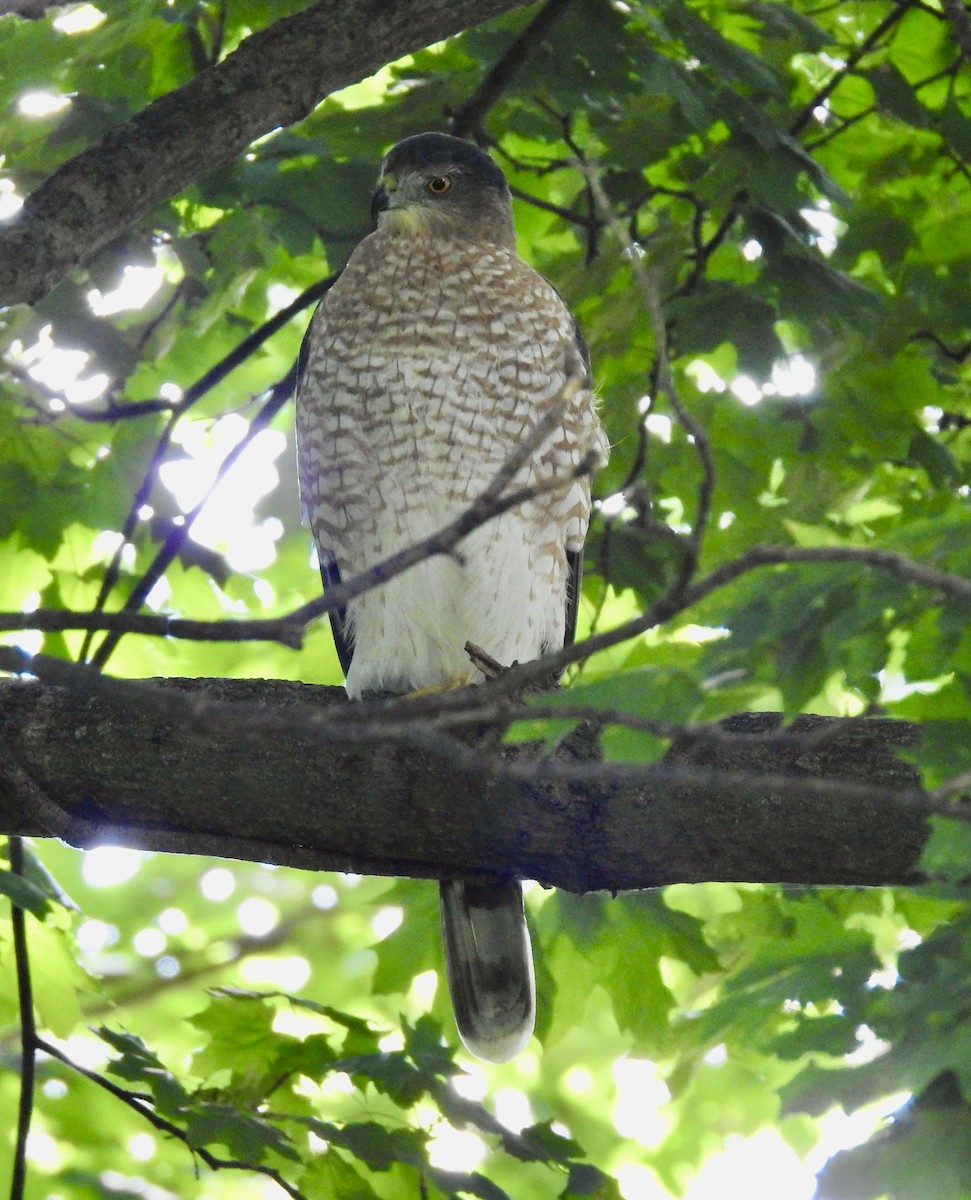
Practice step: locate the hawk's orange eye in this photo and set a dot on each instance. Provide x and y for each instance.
(439, 185)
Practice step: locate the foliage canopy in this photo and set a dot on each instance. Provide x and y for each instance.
(761, 214)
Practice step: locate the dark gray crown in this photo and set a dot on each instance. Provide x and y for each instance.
(426, 151)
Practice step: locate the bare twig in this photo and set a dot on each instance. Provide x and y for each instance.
(704, 250)
(192, 395)
(178, 534)
(717, 779)
(28, 1031)
(662, 370)
(468, 118)
(670, 604)
(957, 16)
(852, 61)
(112, 411)
(568, 214)
(955, 354)
(275, 629)
(142, 493)
(287, 629)
(54, 820)
(941, 795)
(139, 1104)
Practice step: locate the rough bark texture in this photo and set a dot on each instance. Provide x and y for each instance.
(236, 768)
(276, 77)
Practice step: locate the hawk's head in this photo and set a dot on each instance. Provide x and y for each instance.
(433, 185)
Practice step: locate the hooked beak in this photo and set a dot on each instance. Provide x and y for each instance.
(382, 200)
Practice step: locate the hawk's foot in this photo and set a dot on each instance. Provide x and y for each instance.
(461, 680)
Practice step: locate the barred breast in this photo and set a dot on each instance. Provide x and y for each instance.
(427, 365)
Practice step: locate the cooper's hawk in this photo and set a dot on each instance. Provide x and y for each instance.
(435, 352)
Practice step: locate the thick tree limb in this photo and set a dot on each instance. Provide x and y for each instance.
(255, 769)
(274, 78)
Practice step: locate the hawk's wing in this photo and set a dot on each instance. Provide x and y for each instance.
(574, 578)
(574, 558)
(330, 572)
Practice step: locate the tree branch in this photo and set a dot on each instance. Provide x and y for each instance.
(957, 16)
(141, 1105)
(288, 629)
(28, 1031)
(524, 675)
(187, 766)
(489, 504)
(275, 77)
(853, 59)
(468, 118)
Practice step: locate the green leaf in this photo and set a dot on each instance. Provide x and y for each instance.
(374, 1145)
(137, 1064)
(455, 1184)
(24, 893)
(717, 312)
(590, 1181)
(245, 1136)
(331, 1175)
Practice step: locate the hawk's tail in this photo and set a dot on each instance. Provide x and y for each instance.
(489, 966)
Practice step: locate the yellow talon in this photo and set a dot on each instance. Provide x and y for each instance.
(463, 679)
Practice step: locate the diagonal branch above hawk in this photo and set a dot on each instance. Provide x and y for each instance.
(433, 355)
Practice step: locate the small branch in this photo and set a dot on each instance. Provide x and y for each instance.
(138, 1103)
(197, 967)
(467, 120)
(274, 629)
(252, 342)
(704, 250)
(28, 1031)
(938, 797)
(216, 374)
(526, 674)
(955, 354)
(113, 570)
(489, 504)
(113, 411)
(116, 410)
(853, 60)
(716, 779)
(662, 372)
(178, 534)
(844, 123)
(957, 16)
(568, 214)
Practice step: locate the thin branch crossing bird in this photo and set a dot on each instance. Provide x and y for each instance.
(435, 353)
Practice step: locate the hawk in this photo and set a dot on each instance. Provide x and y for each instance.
(433, 355)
